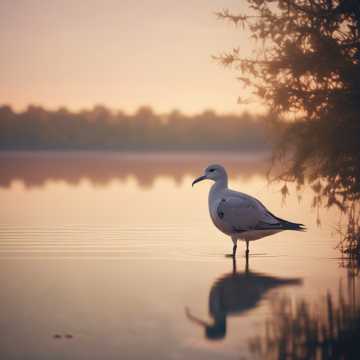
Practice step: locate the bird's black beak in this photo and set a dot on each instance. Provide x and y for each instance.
(201, 178)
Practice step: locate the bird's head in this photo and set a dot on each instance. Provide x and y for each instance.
(212, 172)
(215, 331)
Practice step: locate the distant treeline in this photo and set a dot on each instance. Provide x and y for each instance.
(39, 129)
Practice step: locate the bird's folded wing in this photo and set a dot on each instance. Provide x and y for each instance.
(243, 213)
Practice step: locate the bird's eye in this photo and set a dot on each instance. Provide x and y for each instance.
(211, 170)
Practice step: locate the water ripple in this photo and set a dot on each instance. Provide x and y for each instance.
(88, 241)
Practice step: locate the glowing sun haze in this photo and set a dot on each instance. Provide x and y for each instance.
(119, 53)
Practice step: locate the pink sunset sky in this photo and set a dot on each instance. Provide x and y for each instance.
(119, 53)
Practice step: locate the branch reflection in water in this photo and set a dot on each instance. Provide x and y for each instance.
(34, 169)
(329, 329)
(235, 294)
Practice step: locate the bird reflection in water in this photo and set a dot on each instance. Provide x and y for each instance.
(234, 294)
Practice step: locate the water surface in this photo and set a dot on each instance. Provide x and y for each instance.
(110, 255)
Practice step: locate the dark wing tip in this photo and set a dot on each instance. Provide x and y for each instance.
(295, 226)
(287, 225)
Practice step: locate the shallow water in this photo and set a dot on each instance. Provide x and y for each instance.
(107, 255)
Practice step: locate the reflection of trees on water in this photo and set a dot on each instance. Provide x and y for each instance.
(312, 331)
(35, 169)
(350, 238)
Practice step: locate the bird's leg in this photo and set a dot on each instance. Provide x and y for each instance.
(246, 264)
(234, 250)
(234, 247)
(247, 249)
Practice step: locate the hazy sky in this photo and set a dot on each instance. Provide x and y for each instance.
(119, 53)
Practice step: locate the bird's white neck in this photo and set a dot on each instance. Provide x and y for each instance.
(219, 185)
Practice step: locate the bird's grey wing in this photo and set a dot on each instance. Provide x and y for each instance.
(269, 221)
(242, 213)
(238, 213)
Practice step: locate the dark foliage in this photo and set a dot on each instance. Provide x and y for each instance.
(307, 70)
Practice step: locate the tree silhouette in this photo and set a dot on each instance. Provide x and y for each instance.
(39, 129)
(306, 68)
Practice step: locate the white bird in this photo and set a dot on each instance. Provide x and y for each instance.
(239, 215)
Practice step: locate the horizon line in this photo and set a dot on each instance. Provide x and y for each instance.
(114, 111)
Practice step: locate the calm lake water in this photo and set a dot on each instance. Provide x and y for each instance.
(114, 256)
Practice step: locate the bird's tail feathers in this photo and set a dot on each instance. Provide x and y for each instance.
(288, 225)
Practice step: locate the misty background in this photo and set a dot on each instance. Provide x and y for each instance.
(102, 129)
